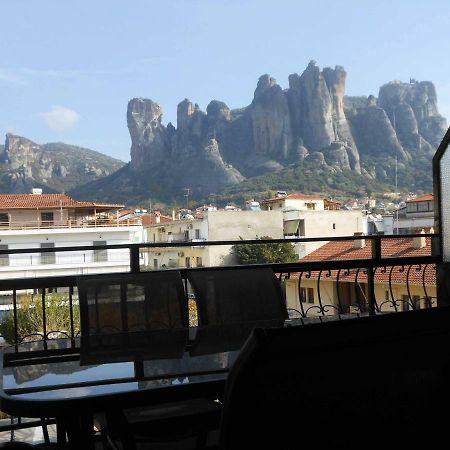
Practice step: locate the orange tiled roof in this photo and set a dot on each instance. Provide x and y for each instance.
(344, 250)
(422, 198)
(150, 219)
(35, 201)
(292, 197)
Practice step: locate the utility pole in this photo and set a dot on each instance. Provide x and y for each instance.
(187, 191)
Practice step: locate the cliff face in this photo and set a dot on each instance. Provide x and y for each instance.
(310, 121)
(54, 167)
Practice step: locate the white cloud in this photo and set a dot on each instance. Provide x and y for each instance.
(60, 118)
(10, 76)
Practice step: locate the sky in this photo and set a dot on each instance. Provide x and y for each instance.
(69, 67)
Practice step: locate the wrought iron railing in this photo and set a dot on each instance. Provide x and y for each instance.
(315, 290)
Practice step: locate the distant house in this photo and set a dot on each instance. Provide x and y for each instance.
(344, 290)
(207, 224)
(313, 216)
(56, 220)
(416, 215)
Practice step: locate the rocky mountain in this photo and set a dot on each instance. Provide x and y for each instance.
(309, 136)
(311, 124)
(55, 167)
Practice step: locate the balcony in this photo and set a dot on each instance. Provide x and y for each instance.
(379, 283)
(68, 224)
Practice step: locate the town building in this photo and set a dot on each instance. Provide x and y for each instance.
(396, 288)
(208, 224)
(312, 216)
(37, 220)
(415, 216)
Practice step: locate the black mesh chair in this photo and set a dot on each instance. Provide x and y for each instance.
(132, 317)
(231, 302)
(141, 317)
(338, 384)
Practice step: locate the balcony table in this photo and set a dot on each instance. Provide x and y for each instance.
(59, 387)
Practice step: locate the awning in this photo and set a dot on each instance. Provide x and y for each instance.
(291, 226)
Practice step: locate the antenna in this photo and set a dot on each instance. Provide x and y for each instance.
(187, 191)
(396, 176)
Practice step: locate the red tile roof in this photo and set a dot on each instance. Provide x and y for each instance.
(150, 219)
(422, 198)
(48, 201)
(345, 250)
(292, 197)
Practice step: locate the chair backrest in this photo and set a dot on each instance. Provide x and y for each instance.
(231, 302)
(376, 380)
(126, 317)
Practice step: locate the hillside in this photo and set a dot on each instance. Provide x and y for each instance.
(55, 167)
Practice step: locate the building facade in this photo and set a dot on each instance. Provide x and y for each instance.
(46, 221)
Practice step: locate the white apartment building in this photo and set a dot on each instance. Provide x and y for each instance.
(415, 216)
(213, 226)
(34, 221)
(312, 216)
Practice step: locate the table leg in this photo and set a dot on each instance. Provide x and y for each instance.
(80, 431)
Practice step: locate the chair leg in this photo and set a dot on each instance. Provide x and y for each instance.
(45, 430)
(201, 440)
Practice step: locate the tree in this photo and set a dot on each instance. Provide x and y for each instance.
(265, 253)
(30, 317)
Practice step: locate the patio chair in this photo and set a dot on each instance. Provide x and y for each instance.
(132, 317)
(338, 384)
(141, 317)
(231, 302)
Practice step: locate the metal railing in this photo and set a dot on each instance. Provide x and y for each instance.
(68, 223)
(341, 288)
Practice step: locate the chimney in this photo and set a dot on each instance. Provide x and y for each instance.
(173, 214)
(157, 217)
(420, 242)
(359, 243)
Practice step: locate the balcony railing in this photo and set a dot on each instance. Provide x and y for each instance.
(69, 223)
(340, 286)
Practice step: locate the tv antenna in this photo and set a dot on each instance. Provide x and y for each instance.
(187, 192)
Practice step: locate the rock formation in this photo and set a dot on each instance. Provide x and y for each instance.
(54, 167)
(310, 121)
(310, 124)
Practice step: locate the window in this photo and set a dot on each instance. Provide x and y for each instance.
(199, 261)
(334, 226)
(4, 220)
(307, 295)
(48, 257)
(411, 207)
(310, 206)
(47, 218)
(423, 206)
(100, 255)
(301, 228)
(197, 234)
(187, 261)
(155, 263)
(186, 235)
(406, 304)
(4, 259)
(416, 301)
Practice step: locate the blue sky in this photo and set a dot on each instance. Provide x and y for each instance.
(68, 68)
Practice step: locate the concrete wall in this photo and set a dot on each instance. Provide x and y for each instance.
(233, 225)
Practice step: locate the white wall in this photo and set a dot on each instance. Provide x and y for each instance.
(67, 263)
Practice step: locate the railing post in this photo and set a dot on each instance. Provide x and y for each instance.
(371, 291)
(134, 259)
(376, 256)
